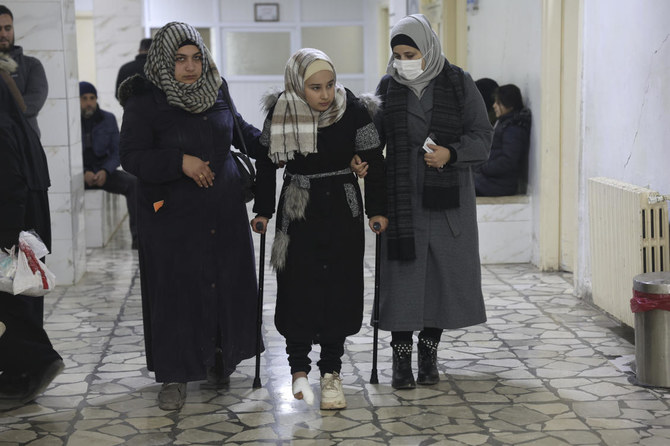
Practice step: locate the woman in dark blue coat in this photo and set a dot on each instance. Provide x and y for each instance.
(505, 172)
(196, 255)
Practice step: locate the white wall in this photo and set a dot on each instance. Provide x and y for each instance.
(225, 15)
(504, 44)
(626, 101)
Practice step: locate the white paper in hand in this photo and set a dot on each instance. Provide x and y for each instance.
(425, 145)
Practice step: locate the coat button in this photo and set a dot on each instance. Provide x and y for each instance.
(213, 231)
(204, 118)
(213, 285)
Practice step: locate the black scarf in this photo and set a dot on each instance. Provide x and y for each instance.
(441, 187)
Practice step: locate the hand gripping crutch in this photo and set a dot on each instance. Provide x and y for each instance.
(375, 305)
(259, 319)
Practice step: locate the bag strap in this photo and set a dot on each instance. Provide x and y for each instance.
(226, 94)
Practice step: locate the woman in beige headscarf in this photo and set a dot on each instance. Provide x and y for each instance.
(313, 128)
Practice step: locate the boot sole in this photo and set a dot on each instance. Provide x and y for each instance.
(334, 405)
(428, 383)
(405, 387)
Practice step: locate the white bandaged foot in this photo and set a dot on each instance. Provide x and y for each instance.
(302, 385)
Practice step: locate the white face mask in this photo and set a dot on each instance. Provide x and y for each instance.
(408, 69)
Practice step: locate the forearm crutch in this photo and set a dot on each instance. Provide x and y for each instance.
(375, 306)
(259, 319)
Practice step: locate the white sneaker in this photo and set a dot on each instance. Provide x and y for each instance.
(301, 385)
(332, 395)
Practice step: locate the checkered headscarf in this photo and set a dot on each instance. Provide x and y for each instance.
(159, 69)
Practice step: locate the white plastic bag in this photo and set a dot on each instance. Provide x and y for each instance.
(7, 270)
(30, 276)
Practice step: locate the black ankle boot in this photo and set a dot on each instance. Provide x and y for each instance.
(402, 366)
(427, 361)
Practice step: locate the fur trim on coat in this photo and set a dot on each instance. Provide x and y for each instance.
(134, 85)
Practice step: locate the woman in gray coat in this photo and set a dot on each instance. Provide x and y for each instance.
(430, 269)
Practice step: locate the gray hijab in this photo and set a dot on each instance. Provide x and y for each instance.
(417, 27)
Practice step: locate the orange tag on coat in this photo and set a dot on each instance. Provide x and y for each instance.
(158, 205)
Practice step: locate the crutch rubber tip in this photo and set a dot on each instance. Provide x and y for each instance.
(257, 383)
(373, 378)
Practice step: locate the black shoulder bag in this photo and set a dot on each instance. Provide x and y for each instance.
(244, 165)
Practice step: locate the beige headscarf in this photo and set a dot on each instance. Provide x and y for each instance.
(159, 69)
(294, 123)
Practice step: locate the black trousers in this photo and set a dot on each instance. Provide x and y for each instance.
(124, 183)
(25, 346)
(330, 361)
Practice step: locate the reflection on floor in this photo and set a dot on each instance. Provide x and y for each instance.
(546, 369)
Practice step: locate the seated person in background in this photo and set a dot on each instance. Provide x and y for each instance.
(100, 146)
(505, 172)
(486, 88)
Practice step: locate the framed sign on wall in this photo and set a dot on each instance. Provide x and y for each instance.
(266, 12)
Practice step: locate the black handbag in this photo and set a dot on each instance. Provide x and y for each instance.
(241, 158)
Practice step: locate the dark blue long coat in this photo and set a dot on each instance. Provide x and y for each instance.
(196, 255)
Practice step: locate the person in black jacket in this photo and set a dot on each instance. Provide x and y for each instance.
(135, 66)
(505, 172)
(28, 361)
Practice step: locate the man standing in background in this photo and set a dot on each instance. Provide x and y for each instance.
(134, 66)
(29, 77)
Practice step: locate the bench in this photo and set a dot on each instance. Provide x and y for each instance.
(505, 229)
(103, 213)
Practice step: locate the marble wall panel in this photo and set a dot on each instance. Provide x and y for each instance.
(58, 159)
(53, 122)
(37, 25)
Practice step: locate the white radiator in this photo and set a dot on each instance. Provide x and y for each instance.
(629, 236)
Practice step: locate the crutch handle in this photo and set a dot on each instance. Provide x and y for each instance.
(259, 225)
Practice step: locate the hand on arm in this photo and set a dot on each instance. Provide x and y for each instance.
(358, 166)
(198, 170)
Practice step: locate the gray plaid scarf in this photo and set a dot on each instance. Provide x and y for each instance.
(159, 69)
(294, 123)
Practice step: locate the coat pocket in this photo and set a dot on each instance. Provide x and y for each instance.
(453, 217)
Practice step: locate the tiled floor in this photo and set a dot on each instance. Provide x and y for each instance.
(547, 369)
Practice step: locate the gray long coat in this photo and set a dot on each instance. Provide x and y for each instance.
(441, 288)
